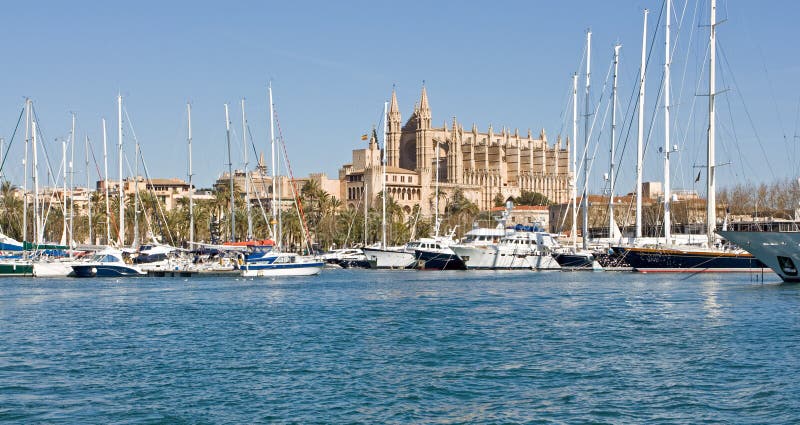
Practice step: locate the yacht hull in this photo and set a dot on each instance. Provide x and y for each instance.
(492, 258)
(386, 259)
(11, 268)
(429, 260)
(662, 260)
(780, 251)
(53, 269)
(104, 270)
(276, 270)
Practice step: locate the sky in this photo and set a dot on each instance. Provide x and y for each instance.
(333, 64)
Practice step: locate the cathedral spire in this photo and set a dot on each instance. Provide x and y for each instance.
(424, 109)
(393, 105)
(393, 108)
(423, 100)
(394, 114)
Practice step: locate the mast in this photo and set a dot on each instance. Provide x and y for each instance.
(72, 185)
(230, 173)
(366, 211)
(246, 176)
(25, 167)
(105, 185)
(136, 196)
(640, 137)
(383, 175)
(121, 183)
(191, 187)
(573, 178)
(611, 177)
(37, 237)
(711, 204)
(585, 197)
(667, 189)
(88, 191)
(274, 175)
(64, 190)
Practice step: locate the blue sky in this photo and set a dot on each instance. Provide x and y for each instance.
(332, 64)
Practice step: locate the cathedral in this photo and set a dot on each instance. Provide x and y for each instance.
(484, 165)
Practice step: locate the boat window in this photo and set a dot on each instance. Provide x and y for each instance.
(787, 266)
(107, 258)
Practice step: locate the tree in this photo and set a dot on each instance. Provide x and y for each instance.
(498, 200)
(460, 212)
(531, 198)
(11, 218)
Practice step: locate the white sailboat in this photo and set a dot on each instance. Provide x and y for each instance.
(271, 261)
(384, 256)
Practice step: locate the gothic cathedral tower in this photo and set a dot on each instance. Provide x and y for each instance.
(394, 131)
(424, 136)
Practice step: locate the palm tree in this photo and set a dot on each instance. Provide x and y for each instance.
(11, 218)
(460, 212)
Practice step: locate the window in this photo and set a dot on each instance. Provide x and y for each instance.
(787, 266)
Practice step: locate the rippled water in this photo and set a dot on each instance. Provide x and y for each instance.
(396, 347)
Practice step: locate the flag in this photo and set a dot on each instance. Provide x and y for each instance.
(364, 137)
(697, 179)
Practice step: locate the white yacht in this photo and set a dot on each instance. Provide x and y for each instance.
(272, 264)
(109, 262)
(778, 248)
(522, 249)
(403, 257)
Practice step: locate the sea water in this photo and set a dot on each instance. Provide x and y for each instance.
(360, 346)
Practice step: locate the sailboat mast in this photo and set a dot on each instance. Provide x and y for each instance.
(121, 183)
(25, 172)
(191, 187)
(667, 189)
(88, 187)
(612, 152)
(64, 191)
(246, 176)
(136, 196)
(274, 175)
(37, 238)
(230, 173)
(366, 210)
(72, 185)
(383, 175)
(573, 178)
(585, 197)
(711, 204)
(640, 136)
(105, 184)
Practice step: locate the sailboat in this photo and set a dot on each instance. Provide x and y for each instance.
(574, 258)
(715, 257)
(45, 265)
(270, 260)
(114, 262)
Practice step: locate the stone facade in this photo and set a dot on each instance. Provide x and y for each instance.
(482, 164)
